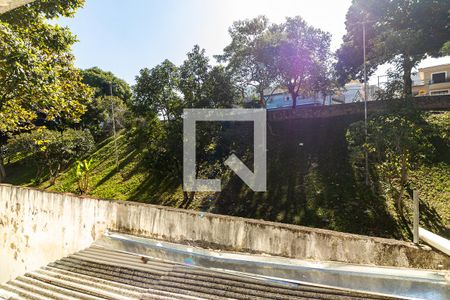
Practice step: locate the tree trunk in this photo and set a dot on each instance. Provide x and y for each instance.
(294, 99)
(262, 101)
(187, 199)
(407, 81)
(2, 170)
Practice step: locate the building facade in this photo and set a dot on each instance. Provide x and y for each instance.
(281, 99)
(354, 92)
(432, 81)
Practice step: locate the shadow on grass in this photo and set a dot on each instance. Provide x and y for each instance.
(431, 220)
(311, 182)
(155, 190)
(115, 170)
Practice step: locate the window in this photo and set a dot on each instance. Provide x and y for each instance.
(438, 77)
(443, 92)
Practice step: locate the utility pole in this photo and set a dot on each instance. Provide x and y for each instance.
(114, 126)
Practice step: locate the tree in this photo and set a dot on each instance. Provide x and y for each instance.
(38, 79)
(50, 151)
(302, 56)
(446, 49)
(396, 143)
(36, 70)
(397, 31)
(98, 117)
(156, 91)
(220, 88)
(203, 86)
(158, 104)
(248, 56)
(193, 74)
(291, 55)
(393, 88)
(161, 93)
(101, 82)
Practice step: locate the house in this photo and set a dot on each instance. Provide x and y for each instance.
(432, 81)
(354, 92)
(280, 98)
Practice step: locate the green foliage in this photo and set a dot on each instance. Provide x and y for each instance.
(446, 49)
(393, 88)
(82, 172)
(36, 70)
(99, 117)
(161, 93)
(301, 56)
(155, 92)
(292, 55)
(398, 31)
(315, 184)
(397, 143)
(101, 82)
(246, 56)
(50, 152)
(193, 74)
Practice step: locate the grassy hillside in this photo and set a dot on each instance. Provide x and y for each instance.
(129, 181)
(310, 182)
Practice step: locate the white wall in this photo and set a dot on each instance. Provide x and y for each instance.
(38, 227)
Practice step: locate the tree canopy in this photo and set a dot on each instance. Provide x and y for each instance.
(292, 55)
(38, 79)
(301, 54)
(101, 80)
(246, 56)
(155, 92)
(397, 31)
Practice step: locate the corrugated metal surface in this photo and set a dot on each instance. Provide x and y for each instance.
(100, 273)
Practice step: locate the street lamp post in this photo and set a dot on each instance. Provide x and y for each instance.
(366, 155)
(114, 125)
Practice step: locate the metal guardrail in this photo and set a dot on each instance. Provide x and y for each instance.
(447, 79)
(388, 281)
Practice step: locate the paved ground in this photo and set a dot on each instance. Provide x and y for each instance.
(99, 273)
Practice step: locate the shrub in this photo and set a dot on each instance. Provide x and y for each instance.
(50, 151)
(82, 172)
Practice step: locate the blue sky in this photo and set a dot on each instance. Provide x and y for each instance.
(126, 36)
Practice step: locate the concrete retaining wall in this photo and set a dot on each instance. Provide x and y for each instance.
(441, 102)
(38, 227)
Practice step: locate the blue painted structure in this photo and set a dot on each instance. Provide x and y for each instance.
(284, 100)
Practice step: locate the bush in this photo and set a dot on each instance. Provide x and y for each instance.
(99, 119)
(50, 151)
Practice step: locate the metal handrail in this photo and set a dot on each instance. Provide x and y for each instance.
(447, 79)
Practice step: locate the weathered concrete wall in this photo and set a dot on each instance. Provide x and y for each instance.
(38, 227)
(356, 109)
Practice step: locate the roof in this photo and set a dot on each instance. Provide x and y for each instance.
(102, 273)
(7, 5)
(435, 68)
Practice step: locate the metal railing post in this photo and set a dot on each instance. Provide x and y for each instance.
(416, 217)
